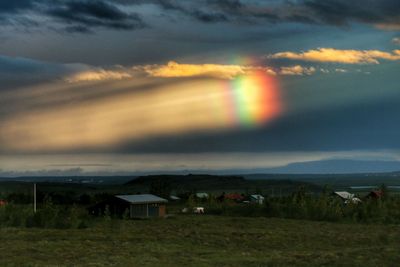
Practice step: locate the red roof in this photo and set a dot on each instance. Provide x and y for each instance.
(234, 196)
(2, 202)
(376, 194)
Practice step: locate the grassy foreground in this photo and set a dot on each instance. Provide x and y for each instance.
(204, 241)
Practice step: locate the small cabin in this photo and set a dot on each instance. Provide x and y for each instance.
(135, 206)
(347, 197)
(201, 195)
(258, 199)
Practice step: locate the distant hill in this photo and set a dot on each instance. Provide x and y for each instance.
(221, 183)
(340, 166)
(192, 181)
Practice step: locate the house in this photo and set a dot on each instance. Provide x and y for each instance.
(258, 199)
(234, 197)
(347, 197)
(135, 206)
(201, 195)
(3, 202)
(375, 194)
(344, 195)
(174, 198)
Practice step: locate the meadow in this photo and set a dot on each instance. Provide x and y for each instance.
(203, 240)
(303, 228)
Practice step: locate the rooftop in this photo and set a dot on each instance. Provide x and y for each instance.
(344, 194)
(142, 199)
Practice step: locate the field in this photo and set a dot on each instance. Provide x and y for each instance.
(203, 240)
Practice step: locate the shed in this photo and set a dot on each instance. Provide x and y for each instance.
(137, 206)
(347, 197)
(259, 199)
(201, 195)
(344, 195)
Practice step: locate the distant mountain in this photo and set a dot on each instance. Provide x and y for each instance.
(196, 181)
(339, 166)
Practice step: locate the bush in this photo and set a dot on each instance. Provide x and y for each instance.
(323, 207)
(47, 216)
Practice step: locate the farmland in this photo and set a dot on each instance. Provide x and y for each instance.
(204, 240)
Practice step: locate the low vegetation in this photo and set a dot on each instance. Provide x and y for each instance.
(203, 240)
(303, 228)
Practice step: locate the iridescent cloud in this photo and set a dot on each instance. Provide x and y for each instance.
(107, 121)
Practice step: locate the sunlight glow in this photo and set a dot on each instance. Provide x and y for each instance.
(179, 108)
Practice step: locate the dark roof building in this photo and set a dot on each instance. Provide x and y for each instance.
(376, 194)
(134, 206)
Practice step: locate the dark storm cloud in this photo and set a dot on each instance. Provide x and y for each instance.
(331, 12)
(83, 15)
(340, 12)
(15, 6)
(75, 15)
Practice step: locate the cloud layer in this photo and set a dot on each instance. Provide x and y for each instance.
(174, 69)
(86, 15)
(98, 75)
(340, 56)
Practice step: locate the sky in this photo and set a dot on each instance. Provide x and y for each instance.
(130, 85)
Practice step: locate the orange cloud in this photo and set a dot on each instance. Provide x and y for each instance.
(340, 56)
(175, 69)
(98, 75)
(297, 70)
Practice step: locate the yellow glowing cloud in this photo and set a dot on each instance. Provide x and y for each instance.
(174, 69)
(340, 56)
(297, 70)
(98, 75)
(133, 115)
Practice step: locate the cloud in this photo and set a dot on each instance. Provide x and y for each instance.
(297, 70)
(84, 14)
(98, 75)
(388, 26)
(15, 6)
(175, 69)
(329, 12)
(71, 15)
(396, 40)
(340, 56)
(93, 120)
(340, 70)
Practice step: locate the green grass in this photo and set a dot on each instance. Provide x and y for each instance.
(204, 241)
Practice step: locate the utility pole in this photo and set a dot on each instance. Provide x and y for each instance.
(34, 197)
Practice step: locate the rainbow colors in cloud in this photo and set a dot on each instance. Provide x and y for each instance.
(253, 99)
(186, 107)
